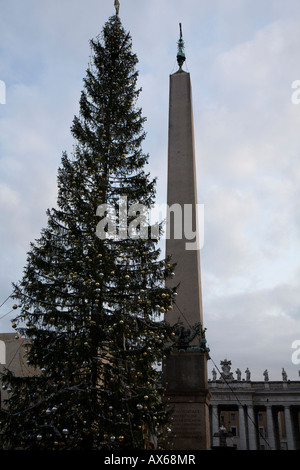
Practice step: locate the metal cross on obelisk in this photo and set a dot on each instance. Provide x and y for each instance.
(180, 53)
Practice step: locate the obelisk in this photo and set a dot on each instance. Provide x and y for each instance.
(185, 371)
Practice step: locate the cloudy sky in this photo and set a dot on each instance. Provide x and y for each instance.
(243, 57)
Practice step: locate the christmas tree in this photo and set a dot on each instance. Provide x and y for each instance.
(93, 291)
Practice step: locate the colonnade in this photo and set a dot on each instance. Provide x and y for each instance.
(281, 429)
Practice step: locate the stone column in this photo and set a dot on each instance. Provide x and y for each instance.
(215, 424)
(242, 429)
(185, 371)
(251, 428)
(289, 428)
(270, 427)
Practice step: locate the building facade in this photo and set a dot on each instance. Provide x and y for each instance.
(257, 415)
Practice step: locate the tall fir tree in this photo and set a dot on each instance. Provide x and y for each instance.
(91, 298)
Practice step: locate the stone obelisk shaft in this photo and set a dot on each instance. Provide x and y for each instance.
(182, 224)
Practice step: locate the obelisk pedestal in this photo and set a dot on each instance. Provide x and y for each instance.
(188, 397)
